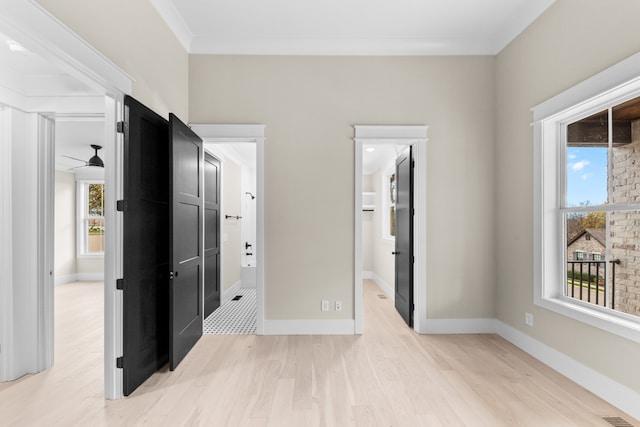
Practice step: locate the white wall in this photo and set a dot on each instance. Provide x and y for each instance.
(65, 225)
(248, 184)
(367, 227)
(231, 205)
(382, 260)
(572, 41)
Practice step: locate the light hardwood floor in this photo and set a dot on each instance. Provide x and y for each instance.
(389, 376)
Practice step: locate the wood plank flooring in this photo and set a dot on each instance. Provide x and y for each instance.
(389, 376)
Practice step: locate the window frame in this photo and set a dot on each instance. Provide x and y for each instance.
(550, 119)
(82, 243)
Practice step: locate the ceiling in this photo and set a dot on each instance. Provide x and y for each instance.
(348, 27)
(30, 83)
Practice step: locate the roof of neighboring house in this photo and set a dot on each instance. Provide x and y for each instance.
(600, 234)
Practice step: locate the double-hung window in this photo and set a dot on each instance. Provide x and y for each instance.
(587, 201)
(90, 218)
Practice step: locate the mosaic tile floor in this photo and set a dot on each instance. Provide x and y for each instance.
(234, 317)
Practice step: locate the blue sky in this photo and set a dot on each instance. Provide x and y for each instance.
(586, 175)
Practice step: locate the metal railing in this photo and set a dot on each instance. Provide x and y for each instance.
(586, 281)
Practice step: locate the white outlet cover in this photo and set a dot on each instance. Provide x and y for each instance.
(528, 319)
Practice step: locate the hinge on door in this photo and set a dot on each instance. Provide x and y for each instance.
(120, 284)
(119, 362)
(120, 127)
(413, 163)
(121, 205)
(413, 259)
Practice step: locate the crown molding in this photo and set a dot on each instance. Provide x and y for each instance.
(168, 12)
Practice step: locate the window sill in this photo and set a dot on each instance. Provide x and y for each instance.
(608, 321)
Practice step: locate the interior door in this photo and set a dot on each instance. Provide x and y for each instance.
(146, 262)
(211, 234)
(404, 236)
(185, 298)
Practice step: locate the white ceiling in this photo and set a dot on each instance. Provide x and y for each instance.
(349, 27)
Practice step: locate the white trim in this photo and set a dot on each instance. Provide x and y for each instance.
(46, 248)
(228, 134)
(341, 46)
(459, 326)
(113, 303)
(6, 245)
(231, 292)
(416, 136)
(384, 286)
(602, 386)
(611, 79)
(309, 327)
(172, 17)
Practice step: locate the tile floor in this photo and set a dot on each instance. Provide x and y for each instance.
(235, 316)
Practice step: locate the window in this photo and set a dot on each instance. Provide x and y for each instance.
(90, 218)
(587, 201)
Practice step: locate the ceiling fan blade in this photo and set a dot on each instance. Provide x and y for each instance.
(74, 158)
(77, 167)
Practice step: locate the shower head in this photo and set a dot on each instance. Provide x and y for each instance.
(252, 196)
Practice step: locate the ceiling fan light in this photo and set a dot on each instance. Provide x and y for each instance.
(96, 161)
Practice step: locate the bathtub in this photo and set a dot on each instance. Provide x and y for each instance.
(248, 274)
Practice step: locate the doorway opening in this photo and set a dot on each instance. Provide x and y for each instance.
(240, 150)
(58, 77)
(236, 310)
(374, 236)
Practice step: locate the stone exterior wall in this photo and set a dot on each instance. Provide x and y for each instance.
(625, 226)
(589, 247)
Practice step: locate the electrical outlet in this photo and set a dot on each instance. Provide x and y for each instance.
(325, 305)
(338, 305)
(528, 319)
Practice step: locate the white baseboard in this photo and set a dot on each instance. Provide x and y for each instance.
(613, 392)
(231, 292)
(384, 286)
(458, 326)
(309, 327)
(78, 277)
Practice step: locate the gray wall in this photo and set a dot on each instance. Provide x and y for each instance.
(309, 105)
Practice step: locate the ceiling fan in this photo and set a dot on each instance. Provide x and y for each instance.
(93, 161)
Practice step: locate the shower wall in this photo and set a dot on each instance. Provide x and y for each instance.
(248, 185)
(232, 203)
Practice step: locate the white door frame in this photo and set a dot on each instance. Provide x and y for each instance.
(416, 136)
(35, 28)
(228, 134)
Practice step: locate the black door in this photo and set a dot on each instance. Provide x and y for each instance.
(404, 236)
(146, 263)
(185, 300)
(211, 234)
